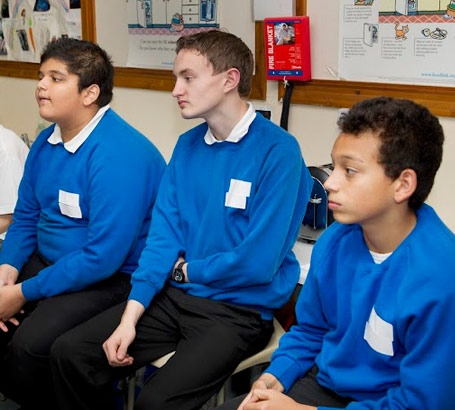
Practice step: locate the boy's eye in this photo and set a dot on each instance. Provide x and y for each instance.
(56, 79)
(351, 171)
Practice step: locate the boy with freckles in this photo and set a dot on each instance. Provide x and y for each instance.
(376, 314)
(81, 218)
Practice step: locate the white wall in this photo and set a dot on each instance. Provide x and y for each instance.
(156, 115)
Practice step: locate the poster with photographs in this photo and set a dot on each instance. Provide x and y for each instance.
(4, 13)
(26, 26)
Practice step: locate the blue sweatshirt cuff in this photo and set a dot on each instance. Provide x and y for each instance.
(195, 270)
(143, 293)
(286, 370)
(30, 289)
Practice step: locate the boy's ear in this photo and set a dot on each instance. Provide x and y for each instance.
(406, 185)
(90, 94)
(232, 79)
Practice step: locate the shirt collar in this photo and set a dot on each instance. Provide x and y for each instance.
(238, 132)
(75, 142)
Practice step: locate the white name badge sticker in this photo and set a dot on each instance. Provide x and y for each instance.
(69, 204)
(379, 334)
(238, 192)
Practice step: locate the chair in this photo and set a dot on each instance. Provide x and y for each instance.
(259, 358)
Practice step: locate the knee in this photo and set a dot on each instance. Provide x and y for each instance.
(25, 354)
(77, 361)
(27, 344)
(63, 357)
(62, 349)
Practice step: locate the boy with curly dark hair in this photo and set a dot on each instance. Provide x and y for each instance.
(375, 316)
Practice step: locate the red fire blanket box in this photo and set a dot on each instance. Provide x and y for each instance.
(287, 48)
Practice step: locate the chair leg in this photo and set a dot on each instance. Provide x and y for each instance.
(131, 392)
(220, 397)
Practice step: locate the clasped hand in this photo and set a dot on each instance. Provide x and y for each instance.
(266, 394)
(11, 297)
(116, 346)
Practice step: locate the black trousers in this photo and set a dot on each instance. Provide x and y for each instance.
(210, 339)
(304, 391)
(24, 351)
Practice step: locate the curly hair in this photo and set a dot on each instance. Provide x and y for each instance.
(86, 60)
(411, 137)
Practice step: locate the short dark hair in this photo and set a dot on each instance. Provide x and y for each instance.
(86, 60)
(411, 137)
(224, 50)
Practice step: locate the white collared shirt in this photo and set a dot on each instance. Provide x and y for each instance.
(75, 142)
(238, 132)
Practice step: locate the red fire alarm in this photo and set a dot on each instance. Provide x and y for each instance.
(287, 48)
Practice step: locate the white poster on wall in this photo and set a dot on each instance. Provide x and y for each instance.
(26, 26)
(155, 25)
(404, 41)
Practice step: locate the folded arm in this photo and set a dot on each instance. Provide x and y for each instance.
(275, 215)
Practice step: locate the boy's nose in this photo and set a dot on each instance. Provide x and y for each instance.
(329, 183)
(177, 91)
(41, 84)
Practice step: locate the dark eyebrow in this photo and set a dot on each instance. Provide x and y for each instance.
(185, 71)
(54, 72)
(348, 158)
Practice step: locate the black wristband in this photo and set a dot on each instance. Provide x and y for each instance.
(178, 275)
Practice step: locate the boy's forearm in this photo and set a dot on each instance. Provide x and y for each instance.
(5, 221)
(132, 313)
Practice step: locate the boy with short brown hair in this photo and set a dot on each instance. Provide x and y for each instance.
(219, 255)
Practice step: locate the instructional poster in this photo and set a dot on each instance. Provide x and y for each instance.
(403, 41)
(26, 26)
(155, 25)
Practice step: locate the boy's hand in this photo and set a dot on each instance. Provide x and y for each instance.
(116, 346)
(4, 328)
(266, 382)
(11, 301)
(8, 275)
(270, 399)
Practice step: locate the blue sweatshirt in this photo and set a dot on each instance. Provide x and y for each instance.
(382, 334)
(234, 211)
(87, 212)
